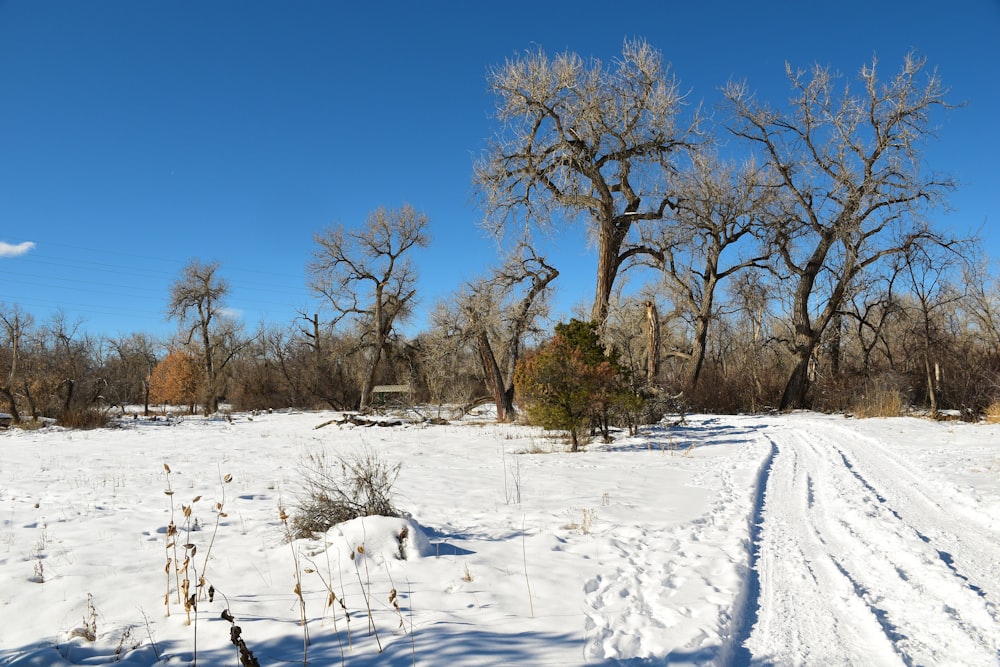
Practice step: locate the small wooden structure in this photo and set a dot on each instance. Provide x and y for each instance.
(390, 395)
(383, 390)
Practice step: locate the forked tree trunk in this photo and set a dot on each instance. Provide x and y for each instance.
(797, 386)
(699, 345)
(504, 399)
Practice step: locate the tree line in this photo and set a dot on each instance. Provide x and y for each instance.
(789, 257)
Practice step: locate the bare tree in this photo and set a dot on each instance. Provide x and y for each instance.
(135, 358)
(634, 329)
(196, 302)
(984, 301)
(930, 271)
(709, 237)
(848, 167)
(497, 313)
(747, 328)
(366, 274)
(872, 308)
(584, 140)
(14, 327)
(70, 359)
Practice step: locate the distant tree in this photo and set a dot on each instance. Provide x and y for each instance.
(582, 139)
(130, 366)
(177, 380)
(983, 302)
(849, 170)
(366, 274)
(708, 238)
(196, 302)
(71, 365)
(15, 325)
(256, 382)
(497, 312)
(634, 331)
(447, 367)
(930, 271)
(868, 315)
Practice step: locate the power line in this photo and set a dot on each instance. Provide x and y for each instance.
(174, 264)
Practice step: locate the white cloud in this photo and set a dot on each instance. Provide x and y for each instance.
(8, 250)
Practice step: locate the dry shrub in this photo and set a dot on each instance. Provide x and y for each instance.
(992, 413)
(342, 488)
(84, 418)
(878, 402)
(733, 393)
(30, 424)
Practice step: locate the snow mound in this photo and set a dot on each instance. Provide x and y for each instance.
(380, 539)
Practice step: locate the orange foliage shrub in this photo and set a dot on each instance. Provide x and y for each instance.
(176, 380)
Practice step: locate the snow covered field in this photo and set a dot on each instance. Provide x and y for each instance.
(784, 540)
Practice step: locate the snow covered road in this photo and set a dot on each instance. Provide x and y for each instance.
(866, 556)
(732, 541)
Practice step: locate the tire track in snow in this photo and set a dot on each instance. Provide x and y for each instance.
(747, 602)
(847, 577)
(961, 540)
(808, 613)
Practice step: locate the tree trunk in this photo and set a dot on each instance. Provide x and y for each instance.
(931, 394)
(610, 240)
(369, 383)
(697, 360)
(383, 323)
(30, 398)
(503, 398)
(702, 322)
(836, 342)
(929, 373)
(807, 333)
(652, 342)
(211, 404)
(70, 386)
(11, 404)
(797, 386)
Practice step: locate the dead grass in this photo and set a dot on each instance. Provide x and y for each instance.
(992, 413)
(85, 418)
(878, 402)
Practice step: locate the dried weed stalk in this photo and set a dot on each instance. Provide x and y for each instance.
(357, 555)
(170, 546)
(243, 653)
(303, 620)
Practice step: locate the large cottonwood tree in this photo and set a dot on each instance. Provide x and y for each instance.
(579, 139)
(848, 164)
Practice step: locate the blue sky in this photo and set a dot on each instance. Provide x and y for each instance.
(135, 136)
